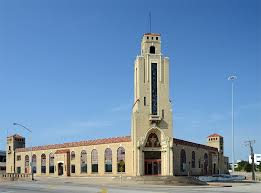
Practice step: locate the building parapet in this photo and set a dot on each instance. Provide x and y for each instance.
(77, 144)
(188, 143)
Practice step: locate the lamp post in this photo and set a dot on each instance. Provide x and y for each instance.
(232, 79)
(31, 163)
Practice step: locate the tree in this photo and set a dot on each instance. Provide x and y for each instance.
(259, 167)
(248, 167)
(242, 165)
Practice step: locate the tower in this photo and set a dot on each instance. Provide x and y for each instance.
(217, 141)
(152, 112)
(13, 142)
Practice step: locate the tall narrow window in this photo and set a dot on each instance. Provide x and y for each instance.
(136, 84)
(72, 155)
(43, 163)
(94, 161)
(26, 164)
(108, 160)
(163, 114)
(121, 159)
(152, 49)
(193, 160)
(154, 97)
(144, 101)
(83, 161)
(182, 160)
(51, 163)
(34, 163)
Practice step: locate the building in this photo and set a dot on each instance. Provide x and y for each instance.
(151, 148)
(2, 161)
(257, 159)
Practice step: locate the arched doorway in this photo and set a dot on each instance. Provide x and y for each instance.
(152, 155)
(60, 169)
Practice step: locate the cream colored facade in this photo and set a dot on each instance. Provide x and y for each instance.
(151, 148)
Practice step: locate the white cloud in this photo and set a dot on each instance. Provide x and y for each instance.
(256, 105)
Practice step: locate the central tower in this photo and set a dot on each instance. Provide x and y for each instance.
(152, 113)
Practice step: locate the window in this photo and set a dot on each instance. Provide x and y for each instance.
(157, 38)
(205, 164)
(108, 160)
(18, 170)
(121, 159)
(154, 97)
(34, 163)
(163, 114)
(152, 141)
(9, 148)
(26, 164)
(43, 163)
(73, 169)
(51, 163)
(152, 38)
(72, 155)
(144, 101)
(152, 49)
(182, 160)
(193, 161)
(18, 158)
(83, 161)
(94, 161)
(147, 37)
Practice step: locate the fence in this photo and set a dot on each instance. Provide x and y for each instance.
(15, 176)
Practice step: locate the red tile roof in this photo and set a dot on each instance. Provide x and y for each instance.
(188, 143)
(61, 151)
(17, 136)
(215, 135)
(77, 144)
(151, 34)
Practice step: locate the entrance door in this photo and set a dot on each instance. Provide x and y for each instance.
(152, 163)
(60, 169)
(152, 167)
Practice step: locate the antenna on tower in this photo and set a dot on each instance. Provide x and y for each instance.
(150, 21)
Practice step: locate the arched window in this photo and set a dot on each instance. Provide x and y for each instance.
(121, 159)
(51, 163)
(153, 140)
(34, 163)
(193, 160)
(182, 160)
(95, 165)
(205, 164)
(83, 161)
(108, 160)
(43, 163)
(72, 155)
(26, 164)
(152, 49)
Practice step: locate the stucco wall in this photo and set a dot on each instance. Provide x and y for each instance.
(62, 158)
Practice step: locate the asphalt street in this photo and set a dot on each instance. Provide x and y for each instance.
(67, 187)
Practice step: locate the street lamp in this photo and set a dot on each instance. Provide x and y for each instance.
(31, 163)
(232, 79)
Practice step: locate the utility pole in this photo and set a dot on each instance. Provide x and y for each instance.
(250, 144)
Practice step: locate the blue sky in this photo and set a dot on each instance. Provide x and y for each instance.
(66, 67)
